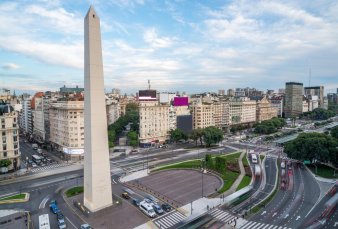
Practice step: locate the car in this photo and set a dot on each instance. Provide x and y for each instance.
(61, 220)
(53, 207)
(125, 195)
(147, 200)
(34, 165)
(166, 207)
(86, 226)
(136, 202)
(158, 209)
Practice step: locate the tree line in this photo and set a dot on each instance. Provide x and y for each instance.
(269, 126)
(209, 135)
(131, 116)
(318, 114)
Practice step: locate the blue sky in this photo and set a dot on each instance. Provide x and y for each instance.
(180, 45)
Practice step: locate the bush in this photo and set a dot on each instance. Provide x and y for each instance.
(74, 191)
(5, 163)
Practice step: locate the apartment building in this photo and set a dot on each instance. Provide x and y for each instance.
(67, 126)
(9, 144)
(202, 115)
(277, 103)
(242, 111)
(316, 91)
(113, 110)
(264, 110)
(26, 119)
(222, 113)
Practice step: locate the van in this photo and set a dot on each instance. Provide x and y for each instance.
(147, 209)
(254, 158)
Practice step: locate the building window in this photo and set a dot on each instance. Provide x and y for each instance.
(16, 152)
(4, 147)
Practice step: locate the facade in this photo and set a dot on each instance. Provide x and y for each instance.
(221, 114)
(293, 99)
(68, 90)
(38, 117)
(231, 93)
(113, 111)
(9, 144)
(242, 111)
(202, 115)
(277, 103)
(316, 91)
(221, 92)
(26, 119)
(66, 120)
(305, 105)
(154, 122)
(264, 110)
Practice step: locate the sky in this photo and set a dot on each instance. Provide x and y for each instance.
(179, 45)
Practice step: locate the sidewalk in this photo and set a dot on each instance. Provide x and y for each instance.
(239, 178)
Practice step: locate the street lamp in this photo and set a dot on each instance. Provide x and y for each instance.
(202, 170)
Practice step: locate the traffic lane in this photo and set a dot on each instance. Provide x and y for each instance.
(332, 222)
(309, 198)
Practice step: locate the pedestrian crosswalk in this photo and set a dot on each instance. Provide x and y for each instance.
(47, 167)
(169, 220)
(256, 225)
(222, 215)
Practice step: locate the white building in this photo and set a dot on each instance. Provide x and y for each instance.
(242, 111)
(26, 122)
(9, 144)
(113, 110)
(67, 127)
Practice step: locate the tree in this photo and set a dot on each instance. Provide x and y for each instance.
(5, 163)
(132, 138)
(212, 135)
(220, 164)
(195, 135)
(318, 114)
(334, 132)
(177, 135)
(313, 147)
(209, 161)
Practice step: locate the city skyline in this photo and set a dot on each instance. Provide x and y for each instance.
(178, 45)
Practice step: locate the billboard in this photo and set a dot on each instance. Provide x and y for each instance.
(181, 101)
(147, 95)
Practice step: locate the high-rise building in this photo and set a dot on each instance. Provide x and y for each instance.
(26, 119)
(221, 92)
(231, 92)
(38, 117)
(318, 91)
(242, 111)
(293, 99)
(202, 115)
(9, 145)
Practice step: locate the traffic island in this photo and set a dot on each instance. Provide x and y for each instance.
(16, 198)
(122, 214)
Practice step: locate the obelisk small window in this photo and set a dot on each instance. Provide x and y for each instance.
(93, 15)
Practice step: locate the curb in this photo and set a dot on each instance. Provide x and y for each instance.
(16, 200)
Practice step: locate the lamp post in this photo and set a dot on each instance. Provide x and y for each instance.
(202, 166)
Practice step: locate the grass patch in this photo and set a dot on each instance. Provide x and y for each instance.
(245, 182)
(74, 191)
(323, 171)
(228, 178)
(262, 157)
(232, 157)
(245, 161)
(183, 165)
(14, 197)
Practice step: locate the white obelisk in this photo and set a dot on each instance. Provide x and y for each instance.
(97, 181)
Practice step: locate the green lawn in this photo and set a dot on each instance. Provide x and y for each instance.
(245, 182)
(245, 161)
(232, 157)
(74, 191)
(323, 171)
(14, 197)
(228, 178)
(182, 165)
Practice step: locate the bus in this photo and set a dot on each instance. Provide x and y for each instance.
(44, 221)
(37, 159)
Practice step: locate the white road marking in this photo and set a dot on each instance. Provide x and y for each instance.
(335, 224)
(263, 212)
(286, 216)
(43, 202)
(274, 214)
(71, 223)
(298, 217)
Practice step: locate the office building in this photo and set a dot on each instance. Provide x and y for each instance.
(316, 91)
(293, 99)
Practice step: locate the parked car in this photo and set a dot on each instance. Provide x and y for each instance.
(34, 165)
(125, 195)
(158, 209)
(30, 161)
(166, 207)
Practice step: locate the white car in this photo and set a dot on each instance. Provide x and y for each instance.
(86, 226)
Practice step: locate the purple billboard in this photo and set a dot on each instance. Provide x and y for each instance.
(181, 101)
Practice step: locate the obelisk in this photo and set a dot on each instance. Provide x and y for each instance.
(97, 181)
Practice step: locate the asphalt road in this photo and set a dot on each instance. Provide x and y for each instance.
(289, 207)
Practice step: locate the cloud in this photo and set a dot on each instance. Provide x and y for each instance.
(10, 66)
(151, 37)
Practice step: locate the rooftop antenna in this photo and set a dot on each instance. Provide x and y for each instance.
(310, 77)
(148, 84)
